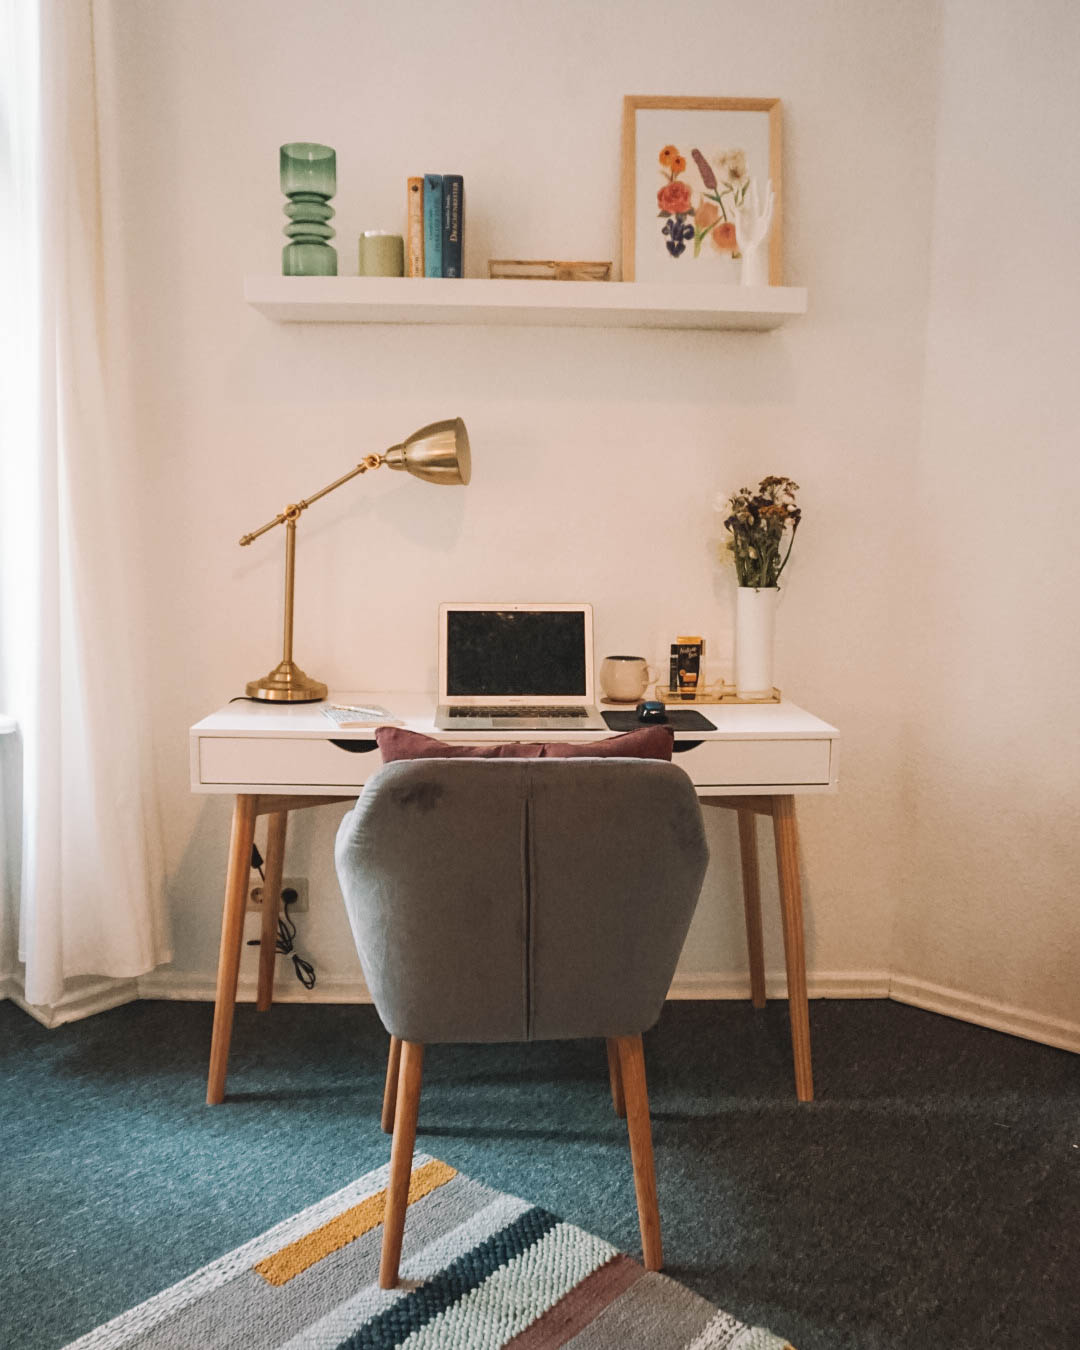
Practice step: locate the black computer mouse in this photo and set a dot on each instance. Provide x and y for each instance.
(651, 710)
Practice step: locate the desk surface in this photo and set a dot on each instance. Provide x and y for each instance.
(263, 747)
(734, 721)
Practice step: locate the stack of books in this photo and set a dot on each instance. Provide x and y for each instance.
(436, 235)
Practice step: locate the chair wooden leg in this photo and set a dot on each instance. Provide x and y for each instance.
(752, 905)
(618, 1101)
(632, 1066)
(401, 1155)
(389, 1101)
(275, 865)
(787, 869)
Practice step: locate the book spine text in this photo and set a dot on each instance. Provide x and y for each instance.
(453, 224)
(414, 243)
(433, 224)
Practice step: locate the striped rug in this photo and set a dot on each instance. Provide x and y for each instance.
(479, 1270)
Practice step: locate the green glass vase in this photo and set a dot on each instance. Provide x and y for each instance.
(309, 180)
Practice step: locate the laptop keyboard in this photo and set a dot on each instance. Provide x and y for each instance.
(518, 712)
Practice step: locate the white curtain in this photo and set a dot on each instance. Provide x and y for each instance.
(71, 602)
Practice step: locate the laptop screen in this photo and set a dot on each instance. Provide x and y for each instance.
(496, 653)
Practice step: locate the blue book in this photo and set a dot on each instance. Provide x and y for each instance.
(433, 224)
(453, 235)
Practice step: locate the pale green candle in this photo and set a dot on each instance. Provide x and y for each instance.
(381, 254)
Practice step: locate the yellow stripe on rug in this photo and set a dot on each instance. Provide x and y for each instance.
(282, 1266)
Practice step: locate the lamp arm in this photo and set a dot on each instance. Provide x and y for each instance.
(292, 512)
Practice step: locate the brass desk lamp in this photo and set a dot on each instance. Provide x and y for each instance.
(438, 453)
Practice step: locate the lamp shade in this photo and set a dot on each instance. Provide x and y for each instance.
(438, 453)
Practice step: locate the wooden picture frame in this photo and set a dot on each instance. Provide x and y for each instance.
(635, 208)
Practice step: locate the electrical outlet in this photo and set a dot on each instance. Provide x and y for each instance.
(297, 884)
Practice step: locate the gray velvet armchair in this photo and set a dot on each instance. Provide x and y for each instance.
(516, 900)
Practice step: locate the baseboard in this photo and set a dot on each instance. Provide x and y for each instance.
(93, 996)
(168, 984)
(985, 1012)
(352, 989)
(188, 987)
(826, 984)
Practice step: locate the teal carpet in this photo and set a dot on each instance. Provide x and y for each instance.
(928, 1200)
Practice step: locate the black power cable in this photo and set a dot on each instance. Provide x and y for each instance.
(286, 928)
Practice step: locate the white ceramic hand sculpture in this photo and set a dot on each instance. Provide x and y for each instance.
(752, 222)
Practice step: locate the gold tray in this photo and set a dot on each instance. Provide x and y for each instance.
(710, 693)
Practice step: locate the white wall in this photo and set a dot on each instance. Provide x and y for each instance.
(597, 454)
(10, 829)
(989, 902)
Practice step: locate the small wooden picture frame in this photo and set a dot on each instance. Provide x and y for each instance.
(546, 269)
(685, 162)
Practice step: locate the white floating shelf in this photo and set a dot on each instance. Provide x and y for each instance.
(568, 304)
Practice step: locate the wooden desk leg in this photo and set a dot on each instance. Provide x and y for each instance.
(275, 865)
(752, 904)
(232, 938)
(786, 835)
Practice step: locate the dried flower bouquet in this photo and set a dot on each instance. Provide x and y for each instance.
(758, 522)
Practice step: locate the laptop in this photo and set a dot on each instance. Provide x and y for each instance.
(516, 668)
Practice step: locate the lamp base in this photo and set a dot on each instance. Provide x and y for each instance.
(286, 683)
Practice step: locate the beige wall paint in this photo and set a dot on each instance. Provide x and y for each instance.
(597, 454)
(10, 828)
(993, 744)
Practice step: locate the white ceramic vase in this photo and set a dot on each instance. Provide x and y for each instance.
(755, 625)
(755, 265)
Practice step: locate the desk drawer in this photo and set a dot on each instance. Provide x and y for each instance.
(287, 762)
(295, 762)
(756, 763)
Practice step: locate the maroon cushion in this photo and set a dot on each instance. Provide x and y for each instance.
(643, 743)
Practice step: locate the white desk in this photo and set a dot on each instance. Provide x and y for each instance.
(278, 758)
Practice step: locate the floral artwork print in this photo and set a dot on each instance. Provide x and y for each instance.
(694, 214)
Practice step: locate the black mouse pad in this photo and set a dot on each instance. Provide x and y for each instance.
(679, 719)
